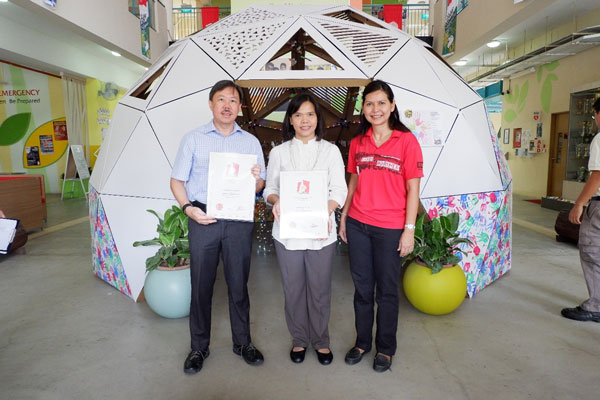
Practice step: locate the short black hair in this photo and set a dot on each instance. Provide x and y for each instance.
(596, 106)
(224, 84)
(295, 103)
(394, 121)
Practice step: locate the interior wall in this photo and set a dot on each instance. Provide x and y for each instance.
(108, 22)
(546, 90)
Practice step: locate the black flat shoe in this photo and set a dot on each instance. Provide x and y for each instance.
(193, 362)
(249, 353)
(297, 356)
(353, 356)
(579, 314)
(325, 358)
(382, 363)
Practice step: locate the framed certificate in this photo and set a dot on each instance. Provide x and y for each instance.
(303, 205)
(231, 186)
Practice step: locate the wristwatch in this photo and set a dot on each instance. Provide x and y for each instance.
(410, 227)
(186, 205)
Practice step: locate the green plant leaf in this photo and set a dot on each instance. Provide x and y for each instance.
(151, 242)
(14, 128)
(523, 97)
(510, 115)
(153, 262)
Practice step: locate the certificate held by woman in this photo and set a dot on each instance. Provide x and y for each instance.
(303, 202)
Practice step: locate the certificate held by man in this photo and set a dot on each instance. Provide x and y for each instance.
(303, 205)
(231, 186)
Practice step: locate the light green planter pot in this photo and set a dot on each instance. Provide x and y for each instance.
(168, 291)
(435, 294)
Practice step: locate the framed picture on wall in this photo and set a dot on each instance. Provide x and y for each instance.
(506, 137)
(517, 137)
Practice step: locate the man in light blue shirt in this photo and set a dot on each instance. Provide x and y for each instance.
(209, 238)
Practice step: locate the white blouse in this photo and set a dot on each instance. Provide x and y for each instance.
(314, 155)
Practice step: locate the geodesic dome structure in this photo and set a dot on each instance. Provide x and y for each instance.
(332, 52)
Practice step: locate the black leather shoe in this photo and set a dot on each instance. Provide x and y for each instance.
(353, 356)
(297, 356)
(193, 362)
(579, 314)
(249, 353)
(382, 363)
(325, 358)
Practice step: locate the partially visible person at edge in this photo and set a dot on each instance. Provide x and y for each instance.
(386, 166)
(589, 232)
(306, 264)
(210, 238)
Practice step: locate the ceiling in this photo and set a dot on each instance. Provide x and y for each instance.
(554, 15)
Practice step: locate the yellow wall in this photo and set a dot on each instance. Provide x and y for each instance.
(530, 175)
(101, 101)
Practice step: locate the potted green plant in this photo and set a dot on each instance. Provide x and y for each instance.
(434, 282)
(167, 288)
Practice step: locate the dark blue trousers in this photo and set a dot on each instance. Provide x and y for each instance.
(375, 266)
(232, 241)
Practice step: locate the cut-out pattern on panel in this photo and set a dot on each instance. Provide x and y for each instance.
(335, 96)
(367, 46)
(262, 96)
(239, 45)
(249, 16)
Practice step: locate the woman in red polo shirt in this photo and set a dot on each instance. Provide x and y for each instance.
(386, 166)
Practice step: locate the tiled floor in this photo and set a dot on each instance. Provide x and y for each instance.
(64, 334)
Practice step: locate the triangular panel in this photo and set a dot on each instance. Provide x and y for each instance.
(172, 120)
(349, 70)
(458, 89)
(247, 16)
(129, 222)
(409, 70)
(236, 48)
(428, 119)
(463, 166)
(370, 47)
(146, 176)
(122, 124)
(430, 158)
(106, 262)
(185, 76)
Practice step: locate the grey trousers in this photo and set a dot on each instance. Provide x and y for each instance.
(589, 252)
(306, 278)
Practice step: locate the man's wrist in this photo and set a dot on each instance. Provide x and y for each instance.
(185, 206)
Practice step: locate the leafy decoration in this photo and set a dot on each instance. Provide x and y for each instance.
(172, 232)
(14, 128)
(437, 241)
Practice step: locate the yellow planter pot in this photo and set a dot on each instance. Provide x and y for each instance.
(435, 294)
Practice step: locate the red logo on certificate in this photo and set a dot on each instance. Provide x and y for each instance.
(303, 187)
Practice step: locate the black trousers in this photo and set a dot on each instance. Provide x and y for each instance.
(232, 241)
(375, 266)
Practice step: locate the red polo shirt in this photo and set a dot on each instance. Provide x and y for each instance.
(380, 196)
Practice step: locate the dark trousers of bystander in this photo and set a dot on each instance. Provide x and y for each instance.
(375, 266)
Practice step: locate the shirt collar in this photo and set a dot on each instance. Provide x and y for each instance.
(311, 141)
(395, 133)
(213, 129)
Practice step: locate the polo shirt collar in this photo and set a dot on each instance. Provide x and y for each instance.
(395, 133)
(213, 129)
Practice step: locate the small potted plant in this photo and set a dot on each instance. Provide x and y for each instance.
(434, 282)
(167, 288)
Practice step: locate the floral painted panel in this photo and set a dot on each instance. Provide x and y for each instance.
(106, 262)
(486, 220)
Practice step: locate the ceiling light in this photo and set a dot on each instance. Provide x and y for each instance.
(114, 53)
(460, 63)
(493, 44)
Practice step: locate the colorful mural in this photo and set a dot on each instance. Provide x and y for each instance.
(106, 262)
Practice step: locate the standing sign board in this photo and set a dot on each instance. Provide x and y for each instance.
(76, 169)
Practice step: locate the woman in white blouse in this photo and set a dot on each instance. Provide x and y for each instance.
(306, 264)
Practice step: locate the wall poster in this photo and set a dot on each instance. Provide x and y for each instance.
(517, 137)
